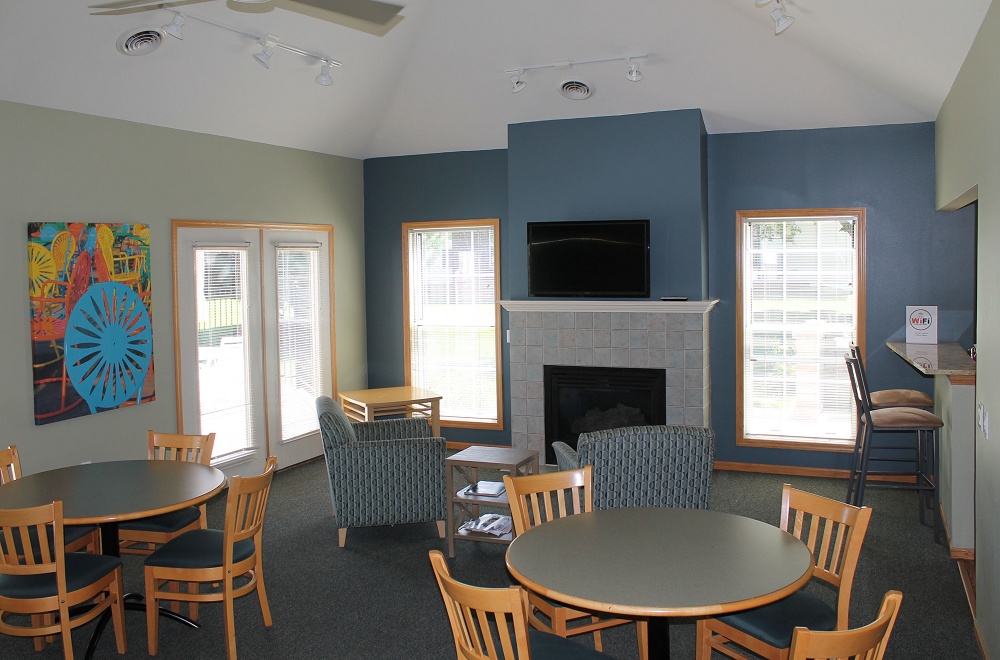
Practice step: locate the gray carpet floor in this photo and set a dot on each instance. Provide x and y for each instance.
(377, 597)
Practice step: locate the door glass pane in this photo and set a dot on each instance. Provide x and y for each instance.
(223, 376)
(299, 350)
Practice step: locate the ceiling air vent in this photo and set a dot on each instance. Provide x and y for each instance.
(576, 90)
(140, 41)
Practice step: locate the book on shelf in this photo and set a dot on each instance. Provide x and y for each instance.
(484, 488)
(493, 524)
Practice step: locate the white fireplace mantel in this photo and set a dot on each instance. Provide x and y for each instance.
(656, 306)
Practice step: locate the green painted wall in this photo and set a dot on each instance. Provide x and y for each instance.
(968, 167)
(63, 166)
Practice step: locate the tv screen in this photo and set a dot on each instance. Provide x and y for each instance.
(593, 259)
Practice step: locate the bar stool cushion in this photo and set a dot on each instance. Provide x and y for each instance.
(553, 647)
(199, 548)
(82, 569)
(165, 522)
(905, 418)
(774, 623)
(905, 398)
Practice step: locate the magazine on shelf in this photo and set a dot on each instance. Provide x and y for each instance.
(493, 524)
(484, 488)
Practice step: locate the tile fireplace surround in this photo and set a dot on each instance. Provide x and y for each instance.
(607, 333)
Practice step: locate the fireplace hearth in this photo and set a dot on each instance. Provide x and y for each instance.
(583, 399)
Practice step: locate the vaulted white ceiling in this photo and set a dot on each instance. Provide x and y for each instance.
(436, 81)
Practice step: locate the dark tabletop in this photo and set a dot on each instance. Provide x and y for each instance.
(116, 490)
(660, 562)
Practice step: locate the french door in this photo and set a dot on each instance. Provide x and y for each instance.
(254, 345)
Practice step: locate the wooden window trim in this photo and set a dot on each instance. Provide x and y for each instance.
(858, 214)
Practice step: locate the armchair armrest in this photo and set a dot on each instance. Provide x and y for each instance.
(567, 458)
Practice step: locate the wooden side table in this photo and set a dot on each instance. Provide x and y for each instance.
(366, 405)
(465, 465)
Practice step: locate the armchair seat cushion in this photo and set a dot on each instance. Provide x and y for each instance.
(165, 522)
(774, 623)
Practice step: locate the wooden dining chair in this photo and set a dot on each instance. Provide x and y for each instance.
(834, 533)
(489, 624)
(539, 498)
(215, 557)
(866, 643)
(39, 579)
(140, 537)
(79, 538)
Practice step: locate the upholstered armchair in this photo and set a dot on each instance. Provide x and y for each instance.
(383, 472)
(645, 466)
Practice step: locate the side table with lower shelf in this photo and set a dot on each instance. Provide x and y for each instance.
(465, 466)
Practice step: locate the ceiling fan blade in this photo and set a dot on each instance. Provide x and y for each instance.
(371, 11)
(122, 7)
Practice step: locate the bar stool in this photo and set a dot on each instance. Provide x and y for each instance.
(897, 419)
(894, 398)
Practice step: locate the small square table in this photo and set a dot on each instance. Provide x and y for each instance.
(366, 405)
(466, 464)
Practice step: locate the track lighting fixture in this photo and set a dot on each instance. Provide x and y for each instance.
(634, 74)
(782, 21)
(266, 51)
(515, 80)
(516, 75)
(175, 28)
(324, 75)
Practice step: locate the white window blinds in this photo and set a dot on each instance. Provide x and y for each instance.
(799, 282)
(224, 386)
(451, 318)
(299, 350)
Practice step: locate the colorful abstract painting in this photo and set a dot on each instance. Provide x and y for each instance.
(91, 307)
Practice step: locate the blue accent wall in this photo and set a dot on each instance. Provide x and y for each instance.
(662, 166)
(452, 186)
(648, 166)
(915, 255)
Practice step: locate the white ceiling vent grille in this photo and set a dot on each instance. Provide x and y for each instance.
(140, 41)
(576, 90)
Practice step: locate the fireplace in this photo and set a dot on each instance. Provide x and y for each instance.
(582, 399)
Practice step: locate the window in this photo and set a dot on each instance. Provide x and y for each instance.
(451, 329)
(801, 301)
(254, 333)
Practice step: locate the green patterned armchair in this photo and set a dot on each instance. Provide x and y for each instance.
(383, 472)
(645, 466)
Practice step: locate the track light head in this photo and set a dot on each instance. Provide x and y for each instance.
(175, 28)
(782, 21)
(266, 51)
(516, 83)
(634, 74)
(324, 75)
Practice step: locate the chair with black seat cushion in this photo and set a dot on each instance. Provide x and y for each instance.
(86, 538)
(230, 557)
(924, 455)
(865, 643)
(539, 498)
(490, 624)
(39, 579)
(834, 533)
(141, 536)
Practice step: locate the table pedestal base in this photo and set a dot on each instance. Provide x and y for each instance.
(133, 601)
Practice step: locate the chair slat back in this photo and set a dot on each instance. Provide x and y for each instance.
(486, 624)
(10, 465)
(42, 553)
(539, 498)
(246, 505)
(834, 533)
(180, 447)
(866, 643)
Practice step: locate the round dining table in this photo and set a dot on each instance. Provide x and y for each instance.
(658, 563)
(109, 493)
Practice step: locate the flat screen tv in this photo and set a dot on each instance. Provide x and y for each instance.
(590, 259)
